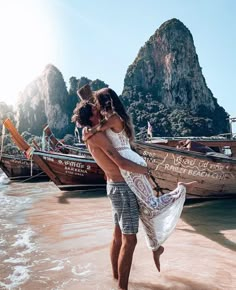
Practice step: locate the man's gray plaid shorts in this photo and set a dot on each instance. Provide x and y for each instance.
(124, 207)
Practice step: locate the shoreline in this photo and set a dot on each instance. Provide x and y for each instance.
(54, 240)
(78, 227)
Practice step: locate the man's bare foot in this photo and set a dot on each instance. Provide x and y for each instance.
(188, 185)
(156, 257)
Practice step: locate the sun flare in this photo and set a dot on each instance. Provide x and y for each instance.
(26, 46)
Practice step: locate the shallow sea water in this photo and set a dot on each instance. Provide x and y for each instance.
(60, 240)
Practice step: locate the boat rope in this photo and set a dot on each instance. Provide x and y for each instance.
(31, 165)
(2, 140)
(46, 141)
(157, 186)
(43, 140)
(77, 135)
(32, 177)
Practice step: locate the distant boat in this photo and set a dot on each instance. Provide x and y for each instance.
(19, 168)
(222, 143)
(53, 144)
(216, 143)
(67, 171)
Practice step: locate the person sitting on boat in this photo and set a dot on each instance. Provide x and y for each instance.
(191, 145)
(158, 215)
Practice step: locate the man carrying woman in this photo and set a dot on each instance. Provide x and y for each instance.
(109, 143)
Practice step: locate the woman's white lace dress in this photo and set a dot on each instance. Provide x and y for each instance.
(159, 215)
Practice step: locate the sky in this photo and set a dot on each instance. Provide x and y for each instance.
(100, 39)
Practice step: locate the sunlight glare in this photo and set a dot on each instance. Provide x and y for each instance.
(26, 46)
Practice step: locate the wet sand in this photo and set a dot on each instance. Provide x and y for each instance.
(73, 230)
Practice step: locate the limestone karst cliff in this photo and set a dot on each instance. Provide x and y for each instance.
(165, 86)
(46, 100)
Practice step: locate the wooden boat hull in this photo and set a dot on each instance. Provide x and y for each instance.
(216, 176)
(70, 172)
(18, 168)
(67, 171)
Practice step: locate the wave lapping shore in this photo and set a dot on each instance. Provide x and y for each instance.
(53, 240)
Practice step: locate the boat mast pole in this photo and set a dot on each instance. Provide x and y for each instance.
(231, 121)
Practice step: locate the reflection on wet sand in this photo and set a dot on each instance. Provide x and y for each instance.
(175, 283)
(64, 197)
(216, 220)
(54, 240)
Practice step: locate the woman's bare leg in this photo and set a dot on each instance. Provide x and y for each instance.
(160, 250)
(156, 257)
(188, 185)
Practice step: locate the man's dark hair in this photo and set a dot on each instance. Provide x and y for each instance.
(82, 114)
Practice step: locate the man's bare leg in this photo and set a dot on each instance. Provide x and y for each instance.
(125, 260)
(156, 257)
(115, 250)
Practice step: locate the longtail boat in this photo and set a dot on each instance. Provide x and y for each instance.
(51, 142)
(215, 172)
(222, 143)
(67, 171)
(19, 168)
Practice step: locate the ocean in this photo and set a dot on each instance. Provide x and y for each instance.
(60, 240)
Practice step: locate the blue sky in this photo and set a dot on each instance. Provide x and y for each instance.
(100, 39)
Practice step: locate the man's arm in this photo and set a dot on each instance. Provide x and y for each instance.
(102, 141)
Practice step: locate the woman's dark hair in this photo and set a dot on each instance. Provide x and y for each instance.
(109, 101)
(82, 114)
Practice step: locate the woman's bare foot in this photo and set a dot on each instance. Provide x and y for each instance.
(188, 185)
(156, 257)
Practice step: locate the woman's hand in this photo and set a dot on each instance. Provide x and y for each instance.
(105, 114)
(86, 134)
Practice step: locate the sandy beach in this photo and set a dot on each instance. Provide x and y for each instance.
(71, 232)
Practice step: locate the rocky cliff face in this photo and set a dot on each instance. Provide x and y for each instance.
(166, 87)
(46, 100)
